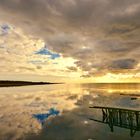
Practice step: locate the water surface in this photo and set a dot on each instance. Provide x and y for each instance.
(65, 111)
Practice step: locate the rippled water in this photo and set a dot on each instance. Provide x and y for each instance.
(20, 105)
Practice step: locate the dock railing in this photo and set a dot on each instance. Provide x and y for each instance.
(124, 118)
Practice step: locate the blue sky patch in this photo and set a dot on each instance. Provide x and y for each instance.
(45, 51)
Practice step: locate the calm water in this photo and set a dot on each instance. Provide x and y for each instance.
(61, 112)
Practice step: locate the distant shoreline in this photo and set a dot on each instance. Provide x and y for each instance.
(8, 83)
(22, 83)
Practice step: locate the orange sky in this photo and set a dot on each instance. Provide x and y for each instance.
(70, 41)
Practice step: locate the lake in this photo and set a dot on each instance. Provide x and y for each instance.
(62, 112)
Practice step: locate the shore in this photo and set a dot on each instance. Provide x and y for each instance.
(22, 83)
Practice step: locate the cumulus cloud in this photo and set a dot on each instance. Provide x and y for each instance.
(100, 35)
(23, 54)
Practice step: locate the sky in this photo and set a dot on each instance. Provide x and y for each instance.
(70, 40)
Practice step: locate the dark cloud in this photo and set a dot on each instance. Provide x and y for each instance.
(100, 31)
(74, 69)
(26, 68)
(123, 64)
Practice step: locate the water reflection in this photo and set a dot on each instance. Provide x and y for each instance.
(124, 118)
(43, 117)
(18, 104)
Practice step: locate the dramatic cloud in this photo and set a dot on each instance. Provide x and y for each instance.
(123, 64)
(23, 54)
(101, 36)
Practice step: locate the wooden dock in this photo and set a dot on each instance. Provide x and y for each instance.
(124, 118)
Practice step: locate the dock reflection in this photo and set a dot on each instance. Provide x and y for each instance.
(124, 118)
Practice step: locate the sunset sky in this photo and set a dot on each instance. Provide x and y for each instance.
(70, 40)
